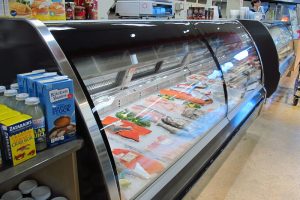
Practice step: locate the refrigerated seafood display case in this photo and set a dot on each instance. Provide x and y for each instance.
(157, 101)
(283, 39)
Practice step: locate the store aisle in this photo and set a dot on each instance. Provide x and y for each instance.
(264, 165)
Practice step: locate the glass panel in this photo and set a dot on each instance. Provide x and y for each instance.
(283, 40)
(163, 99)
(238, 59)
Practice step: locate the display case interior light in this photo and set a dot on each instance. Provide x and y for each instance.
(242, 55)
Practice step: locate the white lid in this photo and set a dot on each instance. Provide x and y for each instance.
(2, 88)
(10, 93)
(27, 186)
(32, 101)
(14, 86)
(12, 195)
(22, 96)
(41, 193)
(39, 70)
(59, 198)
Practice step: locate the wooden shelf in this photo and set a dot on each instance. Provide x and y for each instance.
(42, 160)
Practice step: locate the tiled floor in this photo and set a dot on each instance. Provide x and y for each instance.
(265, 164)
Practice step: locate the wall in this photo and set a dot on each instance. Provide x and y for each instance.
(103, 8)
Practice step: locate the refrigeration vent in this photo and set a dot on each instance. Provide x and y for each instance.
(101, 83)
(144, 70)
(171, 63)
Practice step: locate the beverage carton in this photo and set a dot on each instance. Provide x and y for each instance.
(57, 99)
(22, 79)
(18, 139)
(31, 86)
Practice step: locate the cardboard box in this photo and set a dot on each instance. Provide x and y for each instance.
(18, 139)
(22, 82)
(38, 9)
(31, 82)
(57, 99)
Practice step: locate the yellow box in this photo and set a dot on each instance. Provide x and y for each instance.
(8, 114)
(18, 139)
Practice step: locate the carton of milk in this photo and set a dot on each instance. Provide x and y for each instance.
(21, 79)
(57, 99)
(31, 82)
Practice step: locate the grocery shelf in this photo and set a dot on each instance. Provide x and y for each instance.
(41, 160)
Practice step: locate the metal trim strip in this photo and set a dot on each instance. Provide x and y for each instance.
(86, 111)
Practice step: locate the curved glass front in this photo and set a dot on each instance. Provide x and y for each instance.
(282, 38)
(156, 89)
(237, 57)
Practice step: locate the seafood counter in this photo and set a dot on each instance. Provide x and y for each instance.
(283, 39)
(166, 97)
(150, 134)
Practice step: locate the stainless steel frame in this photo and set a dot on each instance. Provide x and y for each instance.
(221, 132)
(85, 109)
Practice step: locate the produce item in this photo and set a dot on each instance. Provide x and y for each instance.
(56, 95)
(124, 128)
(41, 193)
(130, 116)
(20, 105)
(21, 78)
(26, 187)
(12, 195)
(167, 97)
(168, 148)
(185, 96)
(192, 105)
(133, 160)
(147, 113)
(177, 123)
(10, 98)
(192, 113)
(18, 139)
(196, 85)
(160, 104)
(169, 128)
(38, 122)
(124, 182)
(2, 98)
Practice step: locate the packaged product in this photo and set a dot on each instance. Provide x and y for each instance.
(10, 98)
(57, 99)
(34, 110)
(22, 79)
(20, 98)
(31, 88)
(5, 113)
(14, 86)
(18, 139)
(57, 10)
(2, 90)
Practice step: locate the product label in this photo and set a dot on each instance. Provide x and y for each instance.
(18, 139)
(58, 95)
(39, 133)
